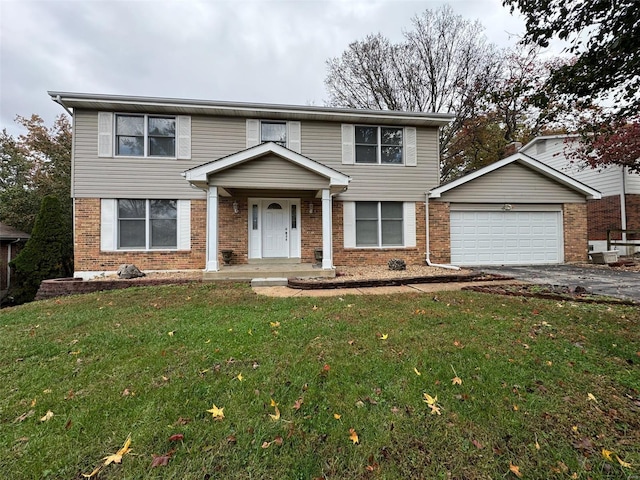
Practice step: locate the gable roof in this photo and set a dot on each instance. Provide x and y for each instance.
(527, 161)
(92, 101)
(200, 174)
(9, 233)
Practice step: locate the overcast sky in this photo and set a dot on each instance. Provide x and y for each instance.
(268, 51)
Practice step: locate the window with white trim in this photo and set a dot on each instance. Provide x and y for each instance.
(381, 145)
(145, 136)
(275, 132)
(379, 224)
(147, 224)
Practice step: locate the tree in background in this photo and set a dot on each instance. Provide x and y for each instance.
(46, 254)
(603, 36)
(445, 64)
(33, 166)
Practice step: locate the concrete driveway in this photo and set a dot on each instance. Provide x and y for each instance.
(602, 281)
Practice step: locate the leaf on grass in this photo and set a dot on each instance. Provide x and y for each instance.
(537, 445)
(117, 457)
(591, 397)
(607, 454)
(456, 381)
(266, 444)
(171, 333)
(353, 436)
(435, 410)
(275, 416)
(278, 440)
(47, 416)
(273, 403)
(477, 444)
(298, 403)
(240, 377)
(24, 416)
(160, 460)
(274, 324)
(515, 470)
(337, 416)
(384, 336)
(217, 413)
(429, 399)
(33, 403)
(417, 371)
(622, 462)
(177, 437)
(92, 474)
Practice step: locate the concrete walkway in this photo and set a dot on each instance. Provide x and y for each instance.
(340, 292)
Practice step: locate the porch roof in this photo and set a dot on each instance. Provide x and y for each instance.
(330, 178)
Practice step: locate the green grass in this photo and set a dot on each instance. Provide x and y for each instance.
(527, 367)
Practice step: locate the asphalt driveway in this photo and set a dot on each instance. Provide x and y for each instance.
(602, 281)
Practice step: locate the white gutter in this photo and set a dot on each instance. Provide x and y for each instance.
(426, 228)
(58, 100)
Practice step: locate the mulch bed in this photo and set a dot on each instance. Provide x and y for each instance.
(310, 284)
(550, 292)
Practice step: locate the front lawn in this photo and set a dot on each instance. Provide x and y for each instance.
(524, 387)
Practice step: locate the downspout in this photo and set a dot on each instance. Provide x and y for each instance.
(623, 211)
(426, 228)
(58, 100)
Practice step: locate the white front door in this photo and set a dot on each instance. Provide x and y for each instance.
(275, 229)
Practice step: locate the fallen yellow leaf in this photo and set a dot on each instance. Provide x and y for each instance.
(33, 403)
(337, 416)
(92, 474)
(171, 333)
(607, 454)
(240, 377)
(429, 399)
(623, 463)
(117, 457)
(274, 324)
(275, 417)
(217, 413)
(591, 397)
(353, 436)
(515, 470)
(384, 336)
(456, 381)
(435, 410)
(416, 370)
(47, 416)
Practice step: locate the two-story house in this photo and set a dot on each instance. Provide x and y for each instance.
(619, 207)
(168, 184)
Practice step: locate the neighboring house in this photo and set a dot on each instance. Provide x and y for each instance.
(168, 184)
(11, 242)
(619, 207)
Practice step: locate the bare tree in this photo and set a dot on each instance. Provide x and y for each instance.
(445, 64)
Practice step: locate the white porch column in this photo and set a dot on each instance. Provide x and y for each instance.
(327, 237)
(212, 230)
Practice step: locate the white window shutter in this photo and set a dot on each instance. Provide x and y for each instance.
(253, 133)
(410, 150)
(184, 137)
(293, 139)
(108, 224)
(409, 224)
(184, 224)
(349, 224)
(348, 133)
(105, 134)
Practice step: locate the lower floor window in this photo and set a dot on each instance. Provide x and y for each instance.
(147, 224)
(379, 224)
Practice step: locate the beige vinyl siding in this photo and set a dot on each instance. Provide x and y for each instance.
(513, 183)
(322, 141)
(269, 172)
(632, 183)
(137, 177)
(607, 180)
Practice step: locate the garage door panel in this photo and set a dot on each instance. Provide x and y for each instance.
(516, 238)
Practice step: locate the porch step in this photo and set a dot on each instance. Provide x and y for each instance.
(270, 270)
(269, 282)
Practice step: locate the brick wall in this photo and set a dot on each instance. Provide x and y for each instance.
(233, 229)
(376, 256)
(439, 232)
(575, 232)
(312, 228)
(632, 203)
(604, 214)
(89, 257)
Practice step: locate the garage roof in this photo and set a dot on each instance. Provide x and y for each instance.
(527, 161)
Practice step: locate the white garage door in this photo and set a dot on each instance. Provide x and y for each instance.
(506, 238)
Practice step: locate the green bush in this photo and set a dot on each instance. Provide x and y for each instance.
(47, 254)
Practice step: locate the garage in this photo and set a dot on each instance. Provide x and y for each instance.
(506, 237)
(517, 211)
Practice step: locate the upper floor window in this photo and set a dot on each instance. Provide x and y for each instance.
(145, 136)
(378, 145)
(275, 132)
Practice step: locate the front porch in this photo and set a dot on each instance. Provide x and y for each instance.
(269, 270)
